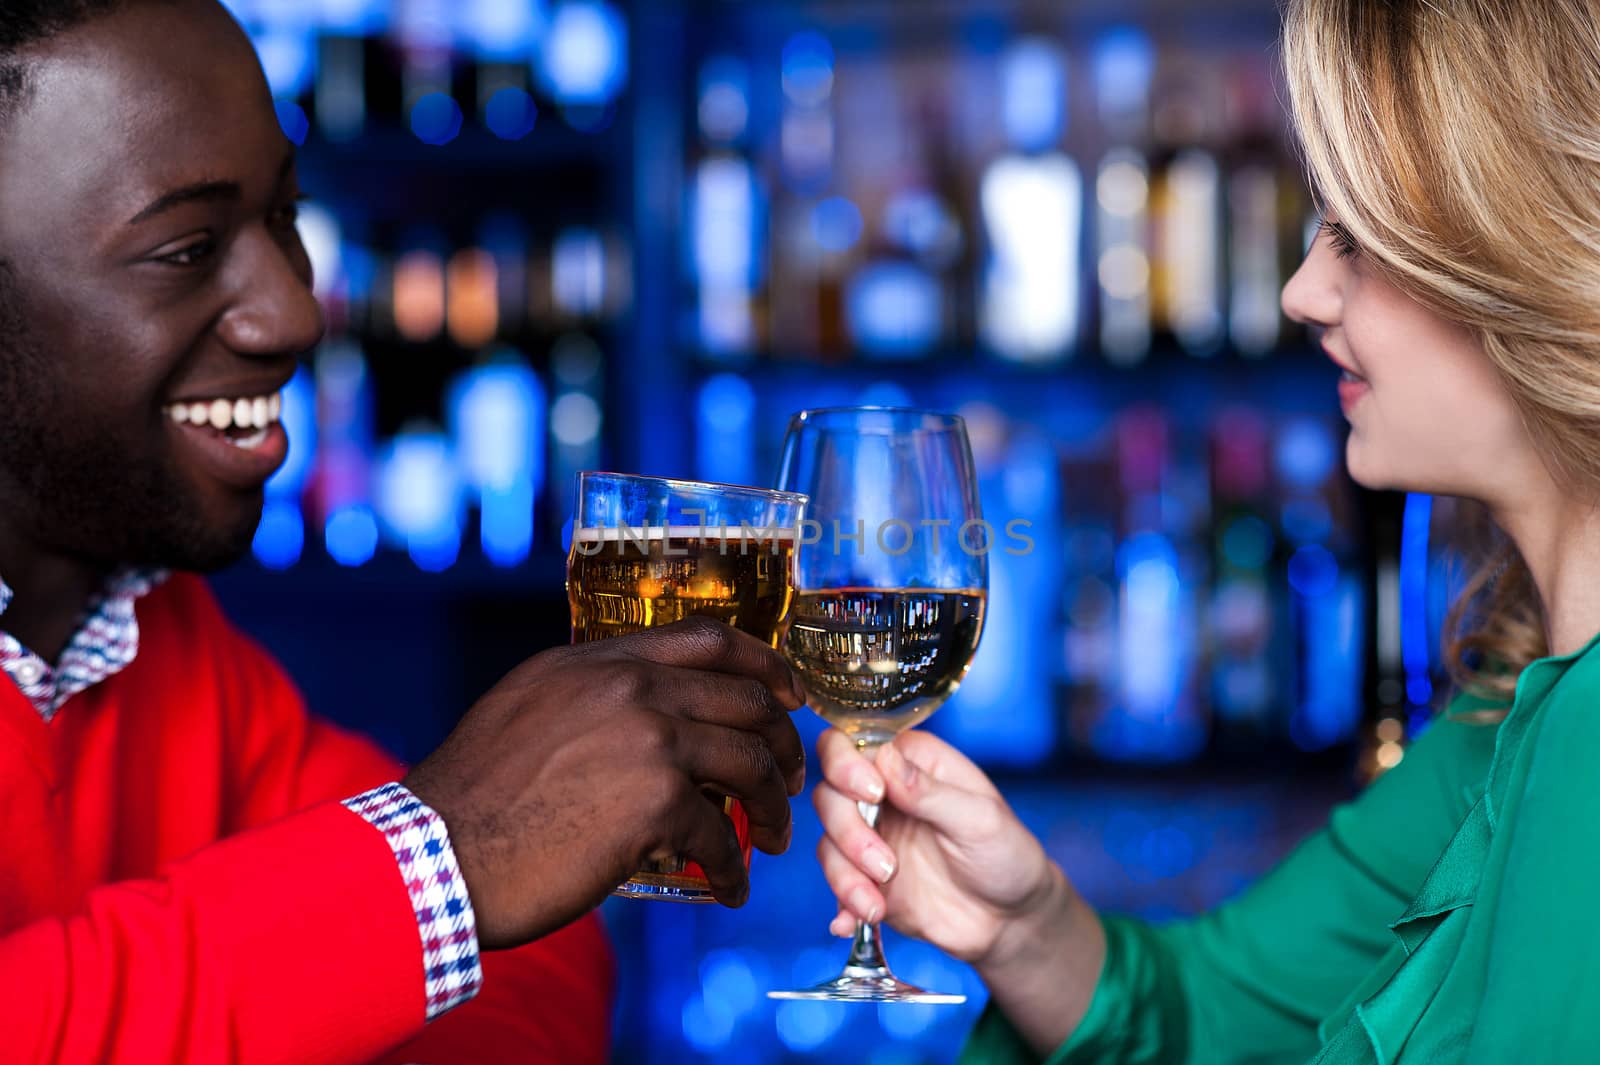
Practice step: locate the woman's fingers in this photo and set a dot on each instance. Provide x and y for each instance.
(942, 762)
(857, 895)
(842, 822)
(847, 769)
(965, 817)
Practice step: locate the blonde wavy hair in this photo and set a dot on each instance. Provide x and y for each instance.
(1458, 141)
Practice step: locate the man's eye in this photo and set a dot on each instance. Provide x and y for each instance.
(286, 216)
(190, 254)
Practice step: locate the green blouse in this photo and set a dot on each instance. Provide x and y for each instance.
(1446, 915)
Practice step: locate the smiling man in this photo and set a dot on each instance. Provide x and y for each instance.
(195, 870)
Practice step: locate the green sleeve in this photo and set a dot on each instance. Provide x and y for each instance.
(1543, 965)
(1251, 980)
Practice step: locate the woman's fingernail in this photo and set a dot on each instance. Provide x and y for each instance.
(868, 784)
(880, 863)
(861, 903)
(908, 772)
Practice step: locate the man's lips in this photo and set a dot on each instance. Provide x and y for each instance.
(237, 440)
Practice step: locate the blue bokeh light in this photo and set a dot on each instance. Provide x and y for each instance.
(292, 120)
(298, 417)
(836, 224)
(351, 535)
(504, 30)
(707, 1023)
(1124, 61)
(1307, 520)
(281, 535)
(807, 1026)
(1306, 453)
(895, 310)
(727, 978)
(584, 54)
(289, 60)
(510, 114)
(436, 118)
(808, 69)
(1313, 571)
(1415, 535)
(725, 446)
(1033, 94)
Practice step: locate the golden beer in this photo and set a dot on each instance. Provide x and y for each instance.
(624, 580)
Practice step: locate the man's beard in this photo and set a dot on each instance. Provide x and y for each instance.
(68, 486)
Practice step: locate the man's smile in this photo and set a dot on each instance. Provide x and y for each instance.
(235, 439)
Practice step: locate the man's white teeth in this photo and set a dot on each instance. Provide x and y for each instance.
(256, 412)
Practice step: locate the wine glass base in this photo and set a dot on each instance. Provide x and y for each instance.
(869, 985)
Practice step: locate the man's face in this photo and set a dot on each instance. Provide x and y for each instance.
(147, 200)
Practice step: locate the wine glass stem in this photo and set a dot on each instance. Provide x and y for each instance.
(866, 950)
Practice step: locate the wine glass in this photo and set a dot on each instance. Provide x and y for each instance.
(891, 579)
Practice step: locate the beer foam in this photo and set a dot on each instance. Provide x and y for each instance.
(637, 533)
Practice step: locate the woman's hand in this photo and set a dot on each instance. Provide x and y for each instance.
(950, 863)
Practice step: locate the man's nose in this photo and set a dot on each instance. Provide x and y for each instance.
(274, 312)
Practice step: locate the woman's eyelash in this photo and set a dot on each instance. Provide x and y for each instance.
(1343, 246)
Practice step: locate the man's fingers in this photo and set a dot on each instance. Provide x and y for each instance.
(743, 704)
(704, 643)
(846, 768)
(857, 895)
(706, 836)
(741, 765)
(845, 828)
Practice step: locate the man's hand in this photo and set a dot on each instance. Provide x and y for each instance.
(587, 760)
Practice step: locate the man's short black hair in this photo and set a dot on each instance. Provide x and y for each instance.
(27, 22)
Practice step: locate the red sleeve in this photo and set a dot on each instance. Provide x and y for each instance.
(285, 944)
(548, 1001)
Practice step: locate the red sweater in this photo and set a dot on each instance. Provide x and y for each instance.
(179, 883)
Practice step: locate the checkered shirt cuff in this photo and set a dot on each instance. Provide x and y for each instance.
(421, 845)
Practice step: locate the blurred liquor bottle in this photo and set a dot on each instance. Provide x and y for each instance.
(1123, 65)
(1262, 210)
(1088, 608)
(1159, 714)
(814, 228)
(1187, 278)
(1032, 201)
(1242, 616)
(725, 217)
(899, 301)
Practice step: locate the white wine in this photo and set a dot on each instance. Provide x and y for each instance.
(877, 661)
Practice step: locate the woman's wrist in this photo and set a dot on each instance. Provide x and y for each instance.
(1045, 962)
(1042, 916)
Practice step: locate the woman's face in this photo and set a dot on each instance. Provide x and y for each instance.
(1427, 411)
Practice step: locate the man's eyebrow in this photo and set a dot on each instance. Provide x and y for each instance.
(203, 192)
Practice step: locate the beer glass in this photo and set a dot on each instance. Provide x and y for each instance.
(892, 580)
(649, 551)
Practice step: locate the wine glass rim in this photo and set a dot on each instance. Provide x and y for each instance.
(948, 420)
(775, 494)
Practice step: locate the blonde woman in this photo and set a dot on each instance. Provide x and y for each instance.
(1449, 913)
